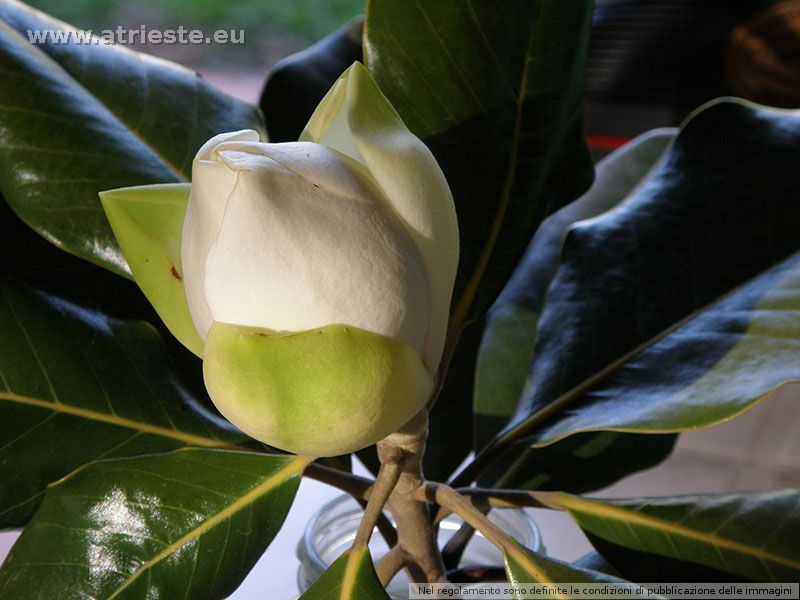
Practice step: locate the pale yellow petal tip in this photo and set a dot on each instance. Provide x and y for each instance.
(326, 112)
(356, 72)
(354, 90)
(359, 79)
(322, 392)
(147, 222)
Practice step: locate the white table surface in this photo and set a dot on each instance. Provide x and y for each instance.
(275, 574)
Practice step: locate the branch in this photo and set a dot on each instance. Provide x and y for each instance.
(454, 548)
(385, 525)
(416, 533)
(484, 500)
(476, 574)
(356, 486)
(451, 500)
(384, 484)
(500, 498)
(390, 564)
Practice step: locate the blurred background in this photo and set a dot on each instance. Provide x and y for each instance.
(273, 29)
(650, 62)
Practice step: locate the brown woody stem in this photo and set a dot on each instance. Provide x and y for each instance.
(451, 500)
(416, 534)
(500, 498)
(390, 564)
(387, 478)
(356, 486)
(484, 500)
(476, 573)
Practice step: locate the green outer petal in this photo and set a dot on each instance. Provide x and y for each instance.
(147, 221)
(321, 392)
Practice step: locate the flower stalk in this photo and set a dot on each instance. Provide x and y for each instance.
(416, 533)
(385, 483)
(452, 500)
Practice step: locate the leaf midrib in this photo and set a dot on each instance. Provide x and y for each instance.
(294, 466)
(351, 570)
(140, 426)
(619, 513)
(464, 303)
(533, 569)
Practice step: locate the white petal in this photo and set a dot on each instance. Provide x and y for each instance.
(212, 181)
(356, 118)
(307, 241)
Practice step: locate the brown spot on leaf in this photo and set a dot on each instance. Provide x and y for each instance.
(175, 273)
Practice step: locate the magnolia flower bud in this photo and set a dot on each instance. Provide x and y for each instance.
(305, 240)
(315, 277)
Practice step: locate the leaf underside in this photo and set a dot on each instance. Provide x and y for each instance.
(507, 348)
(676, 310)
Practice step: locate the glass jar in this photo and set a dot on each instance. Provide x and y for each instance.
(332, 529)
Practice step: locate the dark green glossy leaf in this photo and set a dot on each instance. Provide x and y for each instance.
(677, 310)
(188, 524)
(77, 119)
(637, 565)
(524, 566)
(450, 419)
(508, 343)
(77, 386)
(596, 562)
(580, 463)
(495, 90)
(756, 536)
(45, 266)
(298, 82)
(504, 360)
(508, 340)
(351, 577)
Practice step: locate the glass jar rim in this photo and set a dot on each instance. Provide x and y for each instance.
(307, 549)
